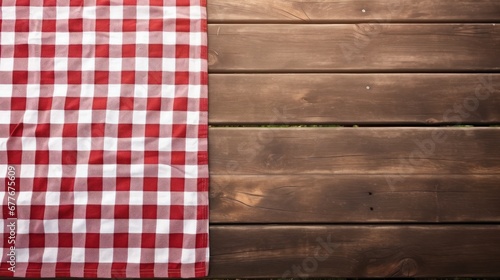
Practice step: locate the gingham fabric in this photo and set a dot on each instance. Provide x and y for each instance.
(103, 138)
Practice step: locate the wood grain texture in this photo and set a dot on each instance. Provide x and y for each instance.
(354, 199)
(354, 48)
(329, 11)
(327, 151)
(354, 98)
(355, 251)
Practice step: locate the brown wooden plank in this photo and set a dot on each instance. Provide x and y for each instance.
(354, 199)
(355, 251)
(407, 151)
(352, 11)
(353, 47)
(354, 98)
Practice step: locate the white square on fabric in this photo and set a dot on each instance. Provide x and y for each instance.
(110, 143)
(193, 118)
(169, 12)
(8, 13)
(78, 255)
(163, 198)
(191, 144)
(53, 198)
(80, 198)
(57, 116)
(169, 38)
(142, 37)
(114, 90)
(22, 255)
(60, 63)
(50, 226)
(136, 198)
(60, 90)
(107, 226)
(190, 226)
(161, 255)
(5, 117)
(55, 144)
(115, 11)
(82, 170)
(105, 255)
(134, 255)
(27, 171)
(5, 90)
(6, 63)
(8, 38)
(195, 38)
(108, 198)
(29, 143)
(88, 37)
(49, 255)
(191, 171)
(62, 38)
(109, 170)
(30, 117)
(62, 12)
(115, 64)
(79, 226)
(112, 116)
(188, 256)
(190, 198)
(23, 226)
(135, 226)
(24, 197)
(142, 12)
(168, 64)
(164, 171)
(115, 38)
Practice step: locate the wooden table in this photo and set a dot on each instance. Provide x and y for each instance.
(341, 142)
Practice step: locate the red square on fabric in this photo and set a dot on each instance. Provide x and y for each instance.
(98, 129)
(102, 25)
(22, 25)
(182, 25)
(182, 78)
(152, 130)
(47, 77)
(44, 103)
(21, 51)
(69, 157)
(129, 25)
(154, 104)
(101, 77)
(155, 77)
(93, 212)
(96, 157)
(182, 51)
(18, 103)
(151, 157)
(178, 158)
(175, 240)
(40, 183)
(102, 50)
(48, 51)
(128, 77)
(42, 130)
(70, 130)
(124, 157)
(49, 25)
(177, 184)
(75, 51)
(72, 103)
(156, 50)
(156, 25)
(65, 240)
(99, 103)
(74, 77)
(150, 184)
(179, 131)
(128, 50)
(126, 103)
(75, 25)
(123, 183)
(37, 212)
(42, 157)
(19, 77)
(37, 240)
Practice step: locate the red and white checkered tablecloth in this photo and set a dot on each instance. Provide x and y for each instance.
(103, 138)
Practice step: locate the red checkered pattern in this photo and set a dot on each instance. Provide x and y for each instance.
(103, 130)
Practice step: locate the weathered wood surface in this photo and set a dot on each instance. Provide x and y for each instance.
(310, 199)
(354, 98)
(354, 47)
(306, 11)
(363, 151)
(355, 251)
